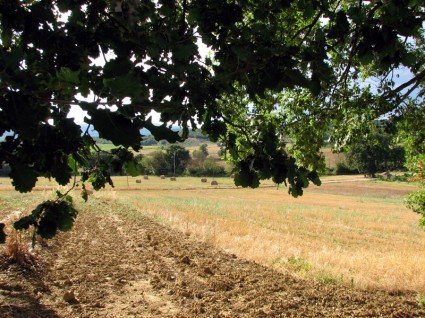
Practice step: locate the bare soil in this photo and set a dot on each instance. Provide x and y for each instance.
(123, 266)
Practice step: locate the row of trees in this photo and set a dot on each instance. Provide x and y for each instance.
(175, 160)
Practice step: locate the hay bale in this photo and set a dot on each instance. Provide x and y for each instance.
(173, 179)
(214, 183)
(204, 180)
(162, 177)
(138, 181)
(146, 177)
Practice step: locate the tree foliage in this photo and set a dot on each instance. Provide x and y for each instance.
(263, 53)
(375, 152)
(208, 167)
(177, 158)
(172, 160)
(413, 138)
(201, 153)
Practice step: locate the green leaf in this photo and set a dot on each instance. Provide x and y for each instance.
(84, 193)
(314, 177)
(194, 14)
(131, 168)
(214, 128)
(243, 53)
(116, 128)
(279, 168)
(47, 228)
(245, 176)
(66, 215)
(297, 78)
(64, 5)
(68, 76)
(23, 177)
(162, 132)
(24, 223)
(61, 172)
(117, 67)
(125, 86)
(6, 36)
(186, 52)
(73, 164)
(247, 179)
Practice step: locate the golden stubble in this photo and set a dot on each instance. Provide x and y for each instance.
(369, 240)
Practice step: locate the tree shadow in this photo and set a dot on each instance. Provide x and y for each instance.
(19, 292)
(23, 304)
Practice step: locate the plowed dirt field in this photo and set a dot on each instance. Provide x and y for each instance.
(123, 266)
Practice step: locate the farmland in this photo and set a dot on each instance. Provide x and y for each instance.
(326, 235)
(350, 243)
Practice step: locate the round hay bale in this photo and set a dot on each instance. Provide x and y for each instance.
(214, 183)
(146, 177)
(162, 177)
(173, 179)
(204, 180)
(138, 181)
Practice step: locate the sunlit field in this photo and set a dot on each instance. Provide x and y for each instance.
(350, 230)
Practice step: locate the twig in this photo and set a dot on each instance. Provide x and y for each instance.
(417, 79)
(308, 27)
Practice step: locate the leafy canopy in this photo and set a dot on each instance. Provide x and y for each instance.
(413, 137)
(275, 67)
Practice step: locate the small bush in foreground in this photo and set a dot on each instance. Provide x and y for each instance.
(17, 248)
(416, 202)
(299, 264)
(328, 278)
(421, 300)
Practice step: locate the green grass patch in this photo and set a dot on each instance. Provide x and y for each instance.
(299, 265)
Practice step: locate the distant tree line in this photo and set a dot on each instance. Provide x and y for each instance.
(195, 137)
(376, 152)
(171, 160)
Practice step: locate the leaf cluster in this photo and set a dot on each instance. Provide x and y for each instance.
(49, 217)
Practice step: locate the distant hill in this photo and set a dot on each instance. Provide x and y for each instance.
(95, 134)
(148, 138)
(143, 131)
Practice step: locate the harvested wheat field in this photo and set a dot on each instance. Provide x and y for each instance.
(223, 252)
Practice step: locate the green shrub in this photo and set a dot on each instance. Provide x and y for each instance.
(394, 178)
(299, 264)
(329, 171)
(206, 168)
(343, 168)
(416, 201)
(421, 300)
(422, 222)
(328, 278)
(376, 152)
